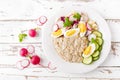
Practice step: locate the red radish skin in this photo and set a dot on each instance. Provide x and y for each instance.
(23, 52)
(32, 33)
(35, 60)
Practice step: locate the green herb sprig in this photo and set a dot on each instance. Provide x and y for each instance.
(77, 16)
(67, 22)
(22, 37)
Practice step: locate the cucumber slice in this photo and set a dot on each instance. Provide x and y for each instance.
(96, 45)
(100, 48)
(99, 41)
(96, 58)
(95, 54)
(97, 33)
(87, 60)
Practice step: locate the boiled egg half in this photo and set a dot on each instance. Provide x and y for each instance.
(57, 33)
(82, 28)
(89, 50)
(71, 32)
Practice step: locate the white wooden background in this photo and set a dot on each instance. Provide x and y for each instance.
(18, 15)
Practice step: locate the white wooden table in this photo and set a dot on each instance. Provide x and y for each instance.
(20, 15)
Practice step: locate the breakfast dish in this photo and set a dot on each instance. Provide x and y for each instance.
(77, 38)
(56, 37)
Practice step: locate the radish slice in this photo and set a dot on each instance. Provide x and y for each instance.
(18, 65)
(48, 66)
(41, 20)
(31, 49)
(88, 33)
(88, 27)
(55, 27)
(25, 63)
(74, 26)
(22, 64)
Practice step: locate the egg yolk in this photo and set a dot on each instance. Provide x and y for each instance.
(87, 50)
(70, 33)
(57, 33)
(82, 27)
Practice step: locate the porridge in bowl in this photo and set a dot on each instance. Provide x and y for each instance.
(77, 38)
(70, 49)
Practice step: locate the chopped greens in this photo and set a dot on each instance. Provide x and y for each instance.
(93, 40)
(67, 22)
(22, 36)
(77, 16)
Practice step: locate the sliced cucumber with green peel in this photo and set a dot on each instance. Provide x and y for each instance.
(99, 41)
(96, 53)
(87, 60)
(97, 33)
(100, 48)
(96, 45)
(96, 58)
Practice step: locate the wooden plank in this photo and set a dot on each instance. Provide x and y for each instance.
(14, 77)
(102, 73)
(89, 79)
(9, 32)
(6, 77)
(9, 53)
(109, 69)
(9, 45)
(46, 78)
(36, 8)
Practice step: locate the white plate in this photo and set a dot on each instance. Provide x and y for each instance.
(51, 53)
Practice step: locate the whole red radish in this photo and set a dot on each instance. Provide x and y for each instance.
(23, 52)
(35, 59)
(32, 33)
